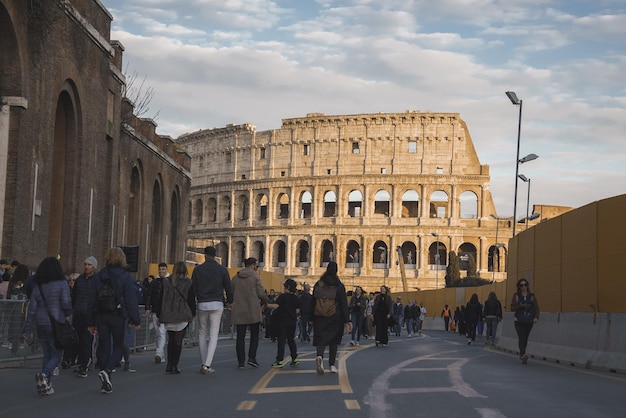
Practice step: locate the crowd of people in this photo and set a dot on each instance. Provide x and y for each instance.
(103, 307)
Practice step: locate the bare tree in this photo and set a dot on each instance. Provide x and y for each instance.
(140, 95)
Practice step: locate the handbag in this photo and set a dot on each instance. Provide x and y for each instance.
(64, 333)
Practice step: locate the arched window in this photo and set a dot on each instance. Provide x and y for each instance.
(328, 253)
(355, 203)
(469, 205)
(261, 202)
(466, 251)
(353, 255)
(222, 253)
(212, 210)
(437, 255)
(306, 205)
(439, 204)
(410, 201)
(380, 255)
(225, 208)
(258, 252)
(381, 202)
(242, 207)
(239, 253)
(495, 258)
(283, 206)
(199, 210)
(280, 254)
(409, 254)
(302, 254)
(330, 200)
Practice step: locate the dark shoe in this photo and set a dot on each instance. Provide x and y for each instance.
(157, 359)
(175, 370)
(168, 369)
(82, 373)
(252, 362)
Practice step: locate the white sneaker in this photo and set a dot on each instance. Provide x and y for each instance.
(356, 343)
(319, 365)
(107, 387)
(352, 342)
(56, 372)
(333, 369)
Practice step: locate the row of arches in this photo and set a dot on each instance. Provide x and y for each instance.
(236, 206)
(353, 255)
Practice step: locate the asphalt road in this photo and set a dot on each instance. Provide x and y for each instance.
(435, 375)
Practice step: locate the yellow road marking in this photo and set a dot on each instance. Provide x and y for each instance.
(352, 404)
(246, 406)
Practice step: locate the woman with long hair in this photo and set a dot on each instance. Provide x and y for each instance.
(526, 309)
(492, 314)
(382, 315)
(50, 297)
(328, 324)
(177, 309)
(473, 314)
(358, 303)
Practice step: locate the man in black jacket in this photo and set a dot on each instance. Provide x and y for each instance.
(153, 304)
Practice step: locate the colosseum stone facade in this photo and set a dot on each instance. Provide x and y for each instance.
(369, 191)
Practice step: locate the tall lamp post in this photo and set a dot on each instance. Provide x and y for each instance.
(436, 235)
(518, 102)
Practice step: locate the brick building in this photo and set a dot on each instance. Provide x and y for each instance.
(373, 192)
(79, 172)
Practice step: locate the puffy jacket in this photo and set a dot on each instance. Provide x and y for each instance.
(58, 301)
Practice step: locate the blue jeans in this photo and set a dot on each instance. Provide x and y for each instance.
(357, 320)
(51, 355)
(409, 325)
(492, 325)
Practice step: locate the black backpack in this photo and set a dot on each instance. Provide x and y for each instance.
(106, 301)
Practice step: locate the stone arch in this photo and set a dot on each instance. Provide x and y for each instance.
(157, 222)
(409, 254)
(242, 207)
(211, 208)
(353, 254)
(238, 253)
(62, 182)
(410, 204)
(306, 205)
(465, 251)
(437, 255)
(355, 203)
(225, 208)
(439, 204)
(328, 253)
(135, 204)
(174, 252)
(258, 251)
(469, 205)
(382, 202)
(380, 255)
(222, 253)
(261, 201)
(199, 210)
(282, 208)
(279, 254)
(303, 254)
(330, 204)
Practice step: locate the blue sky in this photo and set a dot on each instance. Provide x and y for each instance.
(213, 62)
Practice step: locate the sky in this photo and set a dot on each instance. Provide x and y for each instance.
(211, 63)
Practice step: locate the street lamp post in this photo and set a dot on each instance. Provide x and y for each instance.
(436, 235)
(526, 180)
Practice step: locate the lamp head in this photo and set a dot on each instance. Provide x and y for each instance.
(523, 178)
(513, 98)
(529, 157)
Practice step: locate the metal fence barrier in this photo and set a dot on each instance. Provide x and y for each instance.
(15, 352)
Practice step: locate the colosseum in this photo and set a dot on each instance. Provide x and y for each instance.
(387, 196)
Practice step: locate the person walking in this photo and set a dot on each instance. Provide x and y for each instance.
(248, 299)
(305, 313)
(526, 309)
(382, 316)
(50, 297)
(286, 314)
(152, 306)
(398, 312)
(176, 310)
(114, 306)
(409, 317)
(330, 315)
(84, 288)
(473, 314)
(210, 281)
(445, 314)
(357, 306)
(492, 314)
